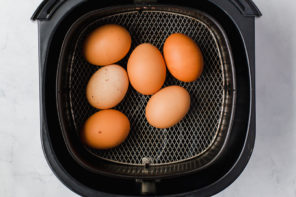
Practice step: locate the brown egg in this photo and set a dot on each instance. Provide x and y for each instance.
(167, 107)
(107, 87)
(146, 69)
(107, 45)
(105, 129)
(183, 57)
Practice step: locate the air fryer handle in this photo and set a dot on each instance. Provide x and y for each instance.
(46, 9)
(247, 7)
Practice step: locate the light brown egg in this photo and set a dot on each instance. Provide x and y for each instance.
(183, 57)
(146, 69)
(107, 87)
(105, 129)
(107, 44)
(167, 107)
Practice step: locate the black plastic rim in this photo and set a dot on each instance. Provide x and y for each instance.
(229, 166)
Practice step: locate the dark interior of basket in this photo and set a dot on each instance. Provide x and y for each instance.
(201, 134)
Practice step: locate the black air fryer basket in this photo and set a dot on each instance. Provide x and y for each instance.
(202, 154)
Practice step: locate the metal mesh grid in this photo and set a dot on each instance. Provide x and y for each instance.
(196, 132)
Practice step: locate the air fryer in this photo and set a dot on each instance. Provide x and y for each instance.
(202, 154)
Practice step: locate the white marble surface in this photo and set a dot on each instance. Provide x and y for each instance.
(272, 168)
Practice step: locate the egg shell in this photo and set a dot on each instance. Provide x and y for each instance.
(107, 44)
(183, 57)
(167, 107)
(107, 87)
(146, 69)
(105, 129)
